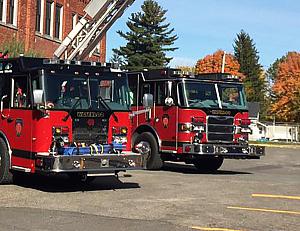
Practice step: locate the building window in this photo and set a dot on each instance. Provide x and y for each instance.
(13, 8)
(11, 11)
(1, 10)
(58, 21)
(38, 16)
(49, 27)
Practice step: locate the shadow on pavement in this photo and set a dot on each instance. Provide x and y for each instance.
(190, 169)
(62, 183)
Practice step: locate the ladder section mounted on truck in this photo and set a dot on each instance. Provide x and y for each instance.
(82, 41)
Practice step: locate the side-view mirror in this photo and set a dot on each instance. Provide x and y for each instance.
(38, 97)
(169, 101)
(148, 100)
(1, 106)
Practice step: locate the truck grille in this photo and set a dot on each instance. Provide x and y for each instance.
(82, 135)
(90, 132)
(220, 129)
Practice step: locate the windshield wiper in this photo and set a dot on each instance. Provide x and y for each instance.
(102, 101)
(72, 109)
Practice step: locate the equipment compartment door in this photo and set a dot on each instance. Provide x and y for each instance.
(18, 124)
(165, 118)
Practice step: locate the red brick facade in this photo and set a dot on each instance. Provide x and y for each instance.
(25, 28)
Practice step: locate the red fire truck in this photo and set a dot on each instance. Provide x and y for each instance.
(66, 116)
(195, 119)
(63, 117)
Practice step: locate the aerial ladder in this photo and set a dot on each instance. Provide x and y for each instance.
(99, 16)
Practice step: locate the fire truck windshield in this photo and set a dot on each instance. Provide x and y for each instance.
(212, 95)
(86, 93)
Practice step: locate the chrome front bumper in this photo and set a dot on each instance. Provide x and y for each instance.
(102, 163)
(227, 151)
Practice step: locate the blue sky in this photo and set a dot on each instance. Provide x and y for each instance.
(206, 26)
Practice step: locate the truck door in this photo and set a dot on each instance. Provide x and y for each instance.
(165, 118)
(18, 124)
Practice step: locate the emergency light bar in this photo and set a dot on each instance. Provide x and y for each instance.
(166, 73)
(180, 73)
(82, 63)
(218, 77)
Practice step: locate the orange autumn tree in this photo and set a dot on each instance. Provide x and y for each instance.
(287, 89)
(213, 64)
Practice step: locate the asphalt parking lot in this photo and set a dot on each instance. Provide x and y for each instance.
(244, 195)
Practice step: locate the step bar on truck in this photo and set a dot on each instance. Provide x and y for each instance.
(226, 151)
(101, 163)
(93, 163)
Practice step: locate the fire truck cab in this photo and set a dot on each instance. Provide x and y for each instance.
(63, 117)
(195, 119)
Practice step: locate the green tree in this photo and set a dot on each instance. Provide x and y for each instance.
(149, 38)
(247, 55)
(115, 58)
(273, 70)
(15, 47)
(270, 96)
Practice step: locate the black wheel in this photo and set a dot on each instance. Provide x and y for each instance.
(154, 161)
(6, 176)
(210, 164)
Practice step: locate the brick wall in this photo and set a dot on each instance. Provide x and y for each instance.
(25, 30)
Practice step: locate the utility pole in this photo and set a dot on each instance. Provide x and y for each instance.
(223, 62)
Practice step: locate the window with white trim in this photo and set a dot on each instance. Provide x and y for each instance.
(38, 16)
(49, 18)
(12, 12)
(58, 21)
(1, 10)
(3, 13)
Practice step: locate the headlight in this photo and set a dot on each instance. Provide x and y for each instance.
(123, 130)
(240, 130)
(199, 128)
(117, 131)
(60, 135)
(187, 127)
(119, 139)
(119, 135)
(60, 131)
(246, 130)
(243, 122)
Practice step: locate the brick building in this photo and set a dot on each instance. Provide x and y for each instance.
(42, 24)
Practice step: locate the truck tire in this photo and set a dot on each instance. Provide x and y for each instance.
(6, 176)
(209, 164)
(154, 161)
